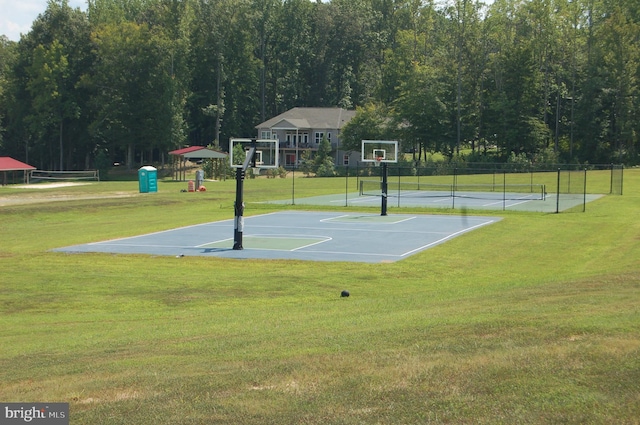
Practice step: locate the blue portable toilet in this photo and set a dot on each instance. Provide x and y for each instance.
(148, 179)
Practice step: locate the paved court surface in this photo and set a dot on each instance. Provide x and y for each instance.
(299, 235)
(488, 201)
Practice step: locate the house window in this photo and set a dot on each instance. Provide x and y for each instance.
(265, 134)
(295, 138)
(345, 159)
(319, 136)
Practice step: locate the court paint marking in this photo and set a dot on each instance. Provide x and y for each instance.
(330, 239)
(354, 230)
(327, 239)
(360, 199)
(247, 239)
(522, 200)
(453, 235)
(157, 233)
(368, 219)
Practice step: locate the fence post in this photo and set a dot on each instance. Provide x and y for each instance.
(584, 192)
(558, 193)
(346, 187)
(504, 190)
(293, 185)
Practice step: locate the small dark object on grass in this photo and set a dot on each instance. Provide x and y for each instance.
(344, 294)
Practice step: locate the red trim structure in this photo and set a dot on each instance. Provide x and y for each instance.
(192, 152)
(9, 165)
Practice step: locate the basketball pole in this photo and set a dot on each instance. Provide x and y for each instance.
(238, 227)
(383, 210)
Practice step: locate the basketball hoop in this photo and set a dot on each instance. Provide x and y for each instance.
(378, 161)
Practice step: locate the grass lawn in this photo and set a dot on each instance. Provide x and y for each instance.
(533, 320)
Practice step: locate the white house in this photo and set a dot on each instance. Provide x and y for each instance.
(302, 129)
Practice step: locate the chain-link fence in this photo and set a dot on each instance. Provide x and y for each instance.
(562, 186)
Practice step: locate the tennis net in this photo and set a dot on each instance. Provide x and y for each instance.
(38, 175)
(410, 189)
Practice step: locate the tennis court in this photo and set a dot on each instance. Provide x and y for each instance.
(445, 199)
(300, 235)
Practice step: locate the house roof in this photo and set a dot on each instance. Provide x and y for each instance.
(9, 164)
(310, 118)
(198, 152)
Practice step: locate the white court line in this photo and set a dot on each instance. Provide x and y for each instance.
(324, 239)
(159, 232)
(358, 200)
(334, 218)
(134, 245)
(447, 237)
(327, 239)
(518, 203)
(348, 229)
(324, 220)
(212, 242)
(508, 204)
(212, 223)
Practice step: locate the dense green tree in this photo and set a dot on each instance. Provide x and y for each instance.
(51, 106)
(323, 164)
(136, 78)
(132, 90)
(422, 113)
(48, 111)
(7, 60)
(371, 122)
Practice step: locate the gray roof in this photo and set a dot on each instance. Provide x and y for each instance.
(310, 118)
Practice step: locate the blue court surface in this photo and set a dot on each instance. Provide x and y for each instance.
(300, 235)
(438, 200)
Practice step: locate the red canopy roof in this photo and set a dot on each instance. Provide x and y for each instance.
(186, 150)
(9, 164)
(198, 152)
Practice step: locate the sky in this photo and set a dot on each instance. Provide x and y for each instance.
(16, 16)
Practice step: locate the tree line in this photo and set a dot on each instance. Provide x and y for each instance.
(130, 80)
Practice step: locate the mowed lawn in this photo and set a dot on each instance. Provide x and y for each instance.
(532, 320)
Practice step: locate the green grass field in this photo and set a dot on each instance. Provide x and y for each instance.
(533, 320)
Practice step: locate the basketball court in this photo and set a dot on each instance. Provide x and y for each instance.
(299, 235)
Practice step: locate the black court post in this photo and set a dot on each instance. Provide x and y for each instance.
(238, 227)
(385, 186)
(558, 193)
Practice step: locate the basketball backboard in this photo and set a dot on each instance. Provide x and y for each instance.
(378, 151)
(266, 155)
